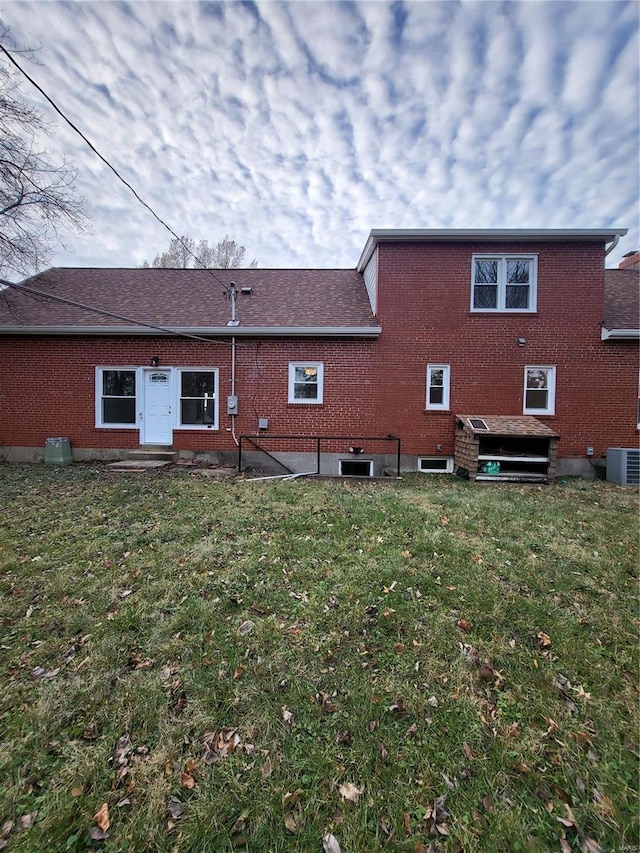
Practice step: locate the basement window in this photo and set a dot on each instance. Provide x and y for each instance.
(435, 464)
(355, 467)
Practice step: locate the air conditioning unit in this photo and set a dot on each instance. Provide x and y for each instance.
(623, 466)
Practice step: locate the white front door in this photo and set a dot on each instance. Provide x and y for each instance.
(156, 419)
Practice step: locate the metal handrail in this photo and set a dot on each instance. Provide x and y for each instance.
(318, 440)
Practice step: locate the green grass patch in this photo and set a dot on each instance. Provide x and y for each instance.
(250, 666)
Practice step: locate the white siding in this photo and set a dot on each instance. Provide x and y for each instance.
(371, 281)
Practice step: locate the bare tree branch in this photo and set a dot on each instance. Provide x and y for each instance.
(37, 201)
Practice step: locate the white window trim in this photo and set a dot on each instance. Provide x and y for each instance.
(356, 459)
(174, 379)
(319, 366)
(502, 283)
(98, 396)
(426, 470)
(178, 394)
(446, 378)
(551, 390)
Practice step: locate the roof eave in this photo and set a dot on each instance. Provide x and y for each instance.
(204, 331)
(503, 235)
(619, 334)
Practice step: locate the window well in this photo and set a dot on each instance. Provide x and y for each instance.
(356, 467)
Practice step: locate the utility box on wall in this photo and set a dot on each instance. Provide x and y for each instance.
(57, 451)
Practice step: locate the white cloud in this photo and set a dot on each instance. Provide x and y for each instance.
(297, 127)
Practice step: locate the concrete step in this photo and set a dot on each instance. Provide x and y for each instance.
(153, 454)
(137, 464)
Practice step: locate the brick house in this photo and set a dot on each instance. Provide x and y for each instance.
(430, 324)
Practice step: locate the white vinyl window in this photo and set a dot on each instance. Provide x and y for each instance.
(438, 386)
(435, 464)
(198, 389)
(539, 390)
(504, 283)
(116, 397)
(306, 381)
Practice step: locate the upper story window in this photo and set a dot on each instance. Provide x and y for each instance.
(539, 390)
(305, 381)
(438, 386)
(504, 283)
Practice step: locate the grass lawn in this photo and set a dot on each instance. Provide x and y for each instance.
(193, 665)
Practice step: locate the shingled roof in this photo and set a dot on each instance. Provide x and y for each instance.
(506, 425)
(621, 304)
(302, 302)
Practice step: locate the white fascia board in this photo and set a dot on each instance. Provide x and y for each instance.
(503, 235)
(619, 334)
(214, 331)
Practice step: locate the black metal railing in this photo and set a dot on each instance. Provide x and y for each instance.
(354, 448)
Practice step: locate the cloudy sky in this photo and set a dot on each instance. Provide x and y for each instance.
(296, 127)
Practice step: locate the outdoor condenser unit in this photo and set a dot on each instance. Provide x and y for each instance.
(623, 466)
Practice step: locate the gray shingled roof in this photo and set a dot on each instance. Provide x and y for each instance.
(192, 299)
(621, 299)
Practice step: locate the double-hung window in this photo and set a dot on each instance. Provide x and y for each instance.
(198, 398)
(306, 381)
(115, 397)
(539, 390)
(504, 283)
(438, 386)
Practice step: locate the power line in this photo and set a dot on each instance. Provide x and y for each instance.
(34, 292)
(107, 163)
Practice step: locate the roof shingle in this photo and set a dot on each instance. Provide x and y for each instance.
(192, 298)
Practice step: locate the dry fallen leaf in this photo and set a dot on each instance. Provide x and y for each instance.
(464, 624)
(543, 639)
(287, 716)
(187, 780)
(467, 751)
(330, 844)
(101, 817)
(175, 808)
(76, 792)
(219, 744)
(290, 822)
(348, 791)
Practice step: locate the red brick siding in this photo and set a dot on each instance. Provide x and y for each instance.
(372, 387)
(424, 309)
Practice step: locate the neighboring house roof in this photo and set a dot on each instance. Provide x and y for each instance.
(621, 304)
(281, 302)
(486, 235)
(504, 425)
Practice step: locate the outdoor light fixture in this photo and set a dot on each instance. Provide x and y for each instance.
(521, 342)
(356, 450)
(155, 360)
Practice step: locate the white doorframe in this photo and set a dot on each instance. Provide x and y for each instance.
(157, 419)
